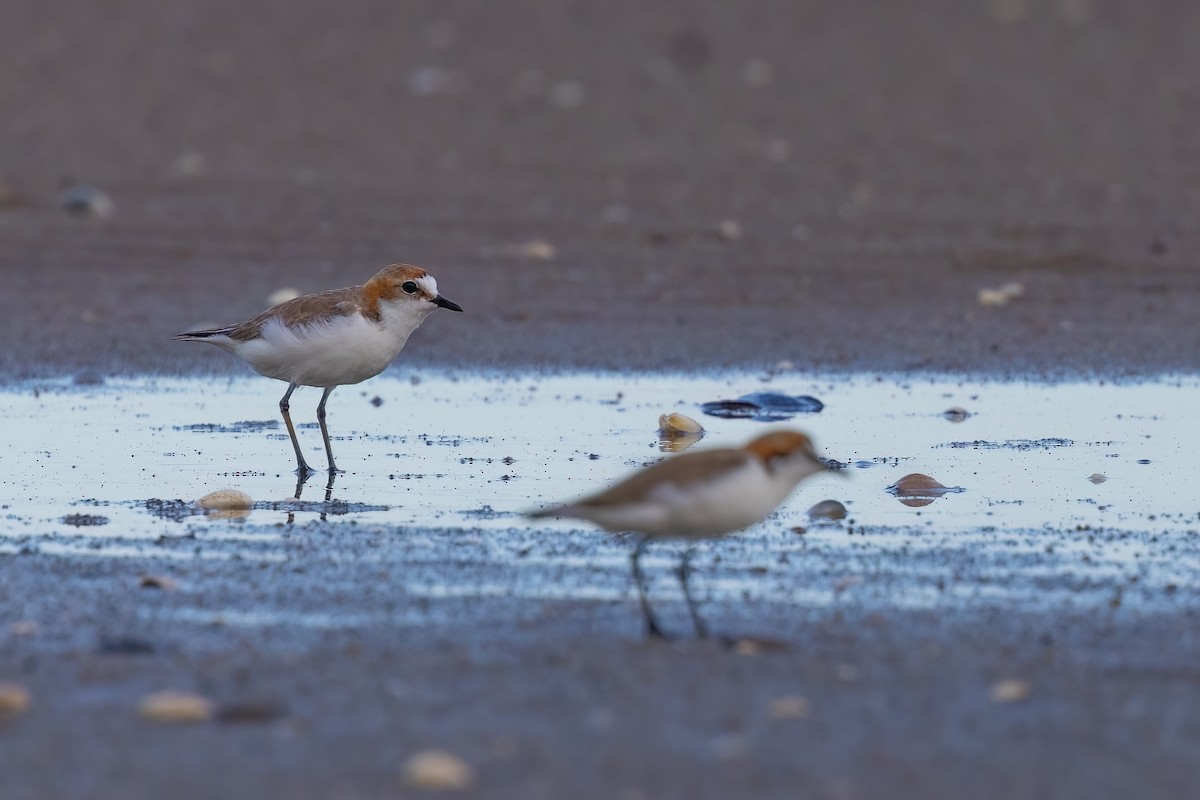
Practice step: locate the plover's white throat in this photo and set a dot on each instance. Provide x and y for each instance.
(331, 338)
(698, 495)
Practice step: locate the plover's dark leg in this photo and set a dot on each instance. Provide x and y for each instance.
(652, 626)
(685, 572)
(325, 431)
(302, 467)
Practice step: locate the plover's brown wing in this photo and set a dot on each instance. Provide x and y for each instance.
(298, 311)
(681, 470)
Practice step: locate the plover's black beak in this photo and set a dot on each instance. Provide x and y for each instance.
(444, 303)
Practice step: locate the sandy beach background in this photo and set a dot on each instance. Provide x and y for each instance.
(614, 185)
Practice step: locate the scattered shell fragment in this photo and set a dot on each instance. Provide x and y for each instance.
(789, 707)
(1001, 295)
(437, 769)
(14, 699)
(536, 249)
(830, 510)
(1097, 477)
(86, 201)
(283, 295)
(172, 707)
(729, 230)
(158, 582)
(1011, 690)
(918, 490)
(956, 414)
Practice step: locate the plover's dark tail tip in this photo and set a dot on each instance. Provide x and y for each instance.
(197, 336)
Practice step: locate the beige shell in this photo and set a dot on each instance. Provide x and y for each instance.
(226, 504)
(437, 769)
(180, 708)
(676, 424)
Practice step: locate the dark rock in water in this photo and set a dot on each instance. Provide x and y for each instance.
(730, 409)
(124, 646)
(175, 510)
(763, 407)
(250, 712)
(774, 401)
(84, 520)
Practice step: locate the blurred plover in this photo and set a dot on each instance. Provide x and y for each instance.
(698, 495)
(332, 338)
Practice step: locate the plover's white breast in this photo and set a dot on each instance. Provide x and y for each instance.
(328, 352)
(728, 500)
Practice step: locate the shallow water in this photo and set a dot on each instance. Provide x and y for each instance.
(448, 462)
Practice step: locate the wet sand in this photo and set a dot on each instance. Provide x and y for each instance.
(729, 186)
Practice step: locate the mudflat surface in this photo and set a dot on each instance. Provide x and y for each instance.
(630, 186)
(877, 166)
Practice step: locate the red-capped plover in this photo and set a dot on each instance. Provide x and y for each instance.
(332, 338)
(698, 495)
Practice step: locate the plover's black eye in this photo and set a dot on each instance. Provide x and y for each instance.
(409, 287)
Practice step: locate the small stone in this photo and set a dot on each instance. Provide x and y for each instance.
(439, 770)
(86, 201)
(790, 707)
(251, 712)
(1097, 477)
(916, 490)
(14, 700)
(176, 708)
(830, 510)
(158, 582)
(282, 295)
(956, 414)
(377, 401)
(1011, 690)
